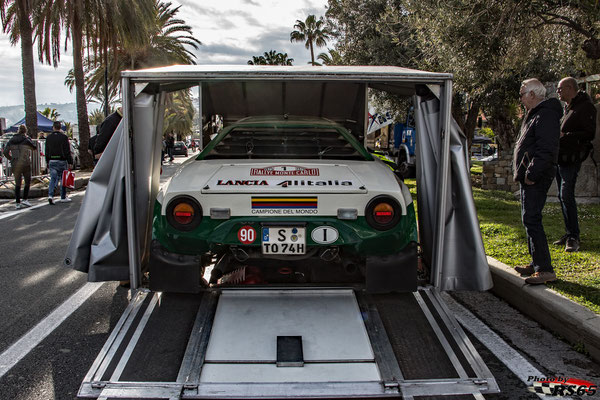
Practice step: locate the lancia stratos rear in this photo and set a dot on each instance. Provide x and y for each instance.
(284, 201)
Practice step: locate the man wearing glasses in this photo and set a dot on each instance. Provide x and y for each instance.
(534, 160)
(577, 130)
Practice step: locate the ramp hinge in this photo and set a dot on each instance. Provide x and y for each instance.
(98, 385)
(391, 386)
(481, 382)
(190, 386)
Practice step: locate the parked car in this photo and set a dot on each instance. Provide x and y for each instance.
(180, 149)
(283, 200)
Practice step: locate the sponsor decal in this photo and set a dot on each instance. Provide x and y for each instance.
(324, 234)
(284, 205)
(242, 182)
(561, 386)
(284, 170)
(247, 234)
(284, 183)
(306, 182)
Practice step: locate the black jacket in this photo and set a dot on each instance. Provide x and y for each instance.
(536, 151)
(105, 131)
(18, 150)
(58, 148)
(579, 128)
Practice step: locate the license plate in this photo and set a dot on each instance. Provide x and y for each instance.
(283, 240)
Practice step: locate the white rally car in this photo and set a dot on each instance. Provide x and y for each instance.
(284, 200)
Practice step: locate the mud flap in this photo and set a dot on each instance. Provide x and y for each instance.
(393, 273)
(173, 272)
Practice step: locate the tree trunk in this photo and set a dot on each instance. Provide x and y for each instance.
(471, 122)
(28, 69)
(312, 53)
(504, 130)
(82, 114)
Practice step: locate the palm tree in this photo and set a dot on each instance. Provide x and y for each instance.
(271, 58)
(179, 113)
(85, 23)
(50, 113)
(312, 32)
(16, 21)
(331, 58)
(165, 44)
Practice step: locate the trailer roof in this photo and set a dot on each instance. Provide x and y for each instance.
(267, 72)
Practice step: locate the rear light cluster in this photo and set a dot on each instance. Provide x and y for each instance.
(184, 213)
(383, 213)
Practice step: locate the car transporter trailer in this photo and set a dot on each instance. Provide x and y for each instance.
(334, 341)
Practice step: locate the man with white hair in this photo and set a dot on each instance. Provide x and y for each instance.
(534, 167)
(577, 130)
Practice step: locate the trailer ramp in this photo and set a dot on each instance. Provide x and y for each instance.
(287, 343)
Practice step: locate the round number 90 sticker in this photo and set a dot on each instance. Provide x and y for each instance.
(247, 234)
(324, 234)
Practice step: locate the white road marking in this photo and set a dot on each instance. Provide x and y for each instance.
(490, 339)
(8, 214)
(11, 356)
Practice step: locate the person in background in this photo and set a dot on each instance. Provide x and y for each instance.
(105, 131)
(91, 145)
(577, 130)
(170, 141)
(58, 159)
(534, 160)
(18, 152)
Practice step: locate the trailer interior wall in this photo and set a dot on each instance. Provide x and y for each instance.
(111, 234)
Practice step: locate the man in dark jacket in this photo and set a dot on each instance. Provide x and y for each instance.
(534, 161)
(58, 158)
(577, 131)
(18, 152)
(106, 130)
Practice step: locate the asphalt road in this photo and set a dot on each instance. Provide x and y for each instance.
(34, 283)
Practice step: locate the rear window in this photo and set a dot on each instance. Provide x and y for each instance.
(285, 144)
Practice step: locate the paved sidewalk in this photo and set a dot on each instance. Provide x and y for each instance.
(573, 322)
(36, 190)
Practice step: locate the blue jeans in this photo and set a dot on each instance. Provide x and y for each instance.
(56, 168)
(566, 177)
(533, 198)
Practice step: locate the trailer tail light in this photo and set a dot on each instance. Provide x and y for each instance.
(184, 213)
(383, 213)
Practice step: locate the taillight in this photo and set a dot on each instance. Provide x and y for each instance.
(184, 213)
(383, 213)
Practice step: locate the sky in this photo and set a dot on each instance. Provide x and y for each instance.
(232, 31)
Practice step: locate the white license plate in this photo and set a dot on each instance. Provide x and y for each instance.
(283, 240)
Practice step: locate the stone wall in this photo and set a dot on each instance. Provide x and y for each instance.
(497, 174)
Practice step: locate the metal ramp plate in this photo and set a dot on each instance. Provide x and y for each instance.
(223, 345)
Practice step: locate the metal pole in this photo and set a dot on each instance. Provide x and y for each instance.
(132, 242)
(443, 177)
(200, 119)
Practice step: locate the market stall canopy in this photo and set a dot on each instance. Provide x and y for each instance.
(44, 124)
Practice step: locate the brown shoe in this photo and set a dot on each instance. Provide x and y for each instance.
(525, 270)
(541, 277)
(572, 245)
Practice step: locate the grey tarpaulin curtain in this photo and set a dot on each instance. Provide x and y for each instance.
(98, 244)
(465, 265)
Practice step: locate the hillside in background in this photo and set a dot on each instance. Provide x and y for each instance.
(67, 111)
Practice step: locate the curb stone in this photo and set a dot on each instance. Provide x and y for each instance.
(42, 190)
(577, 324)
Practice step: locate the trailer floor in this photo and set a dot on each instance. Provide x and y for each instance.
(161, 344)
